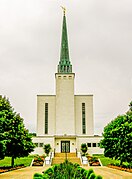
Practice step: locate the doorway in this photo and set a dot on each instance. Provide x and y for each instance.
(65, 146)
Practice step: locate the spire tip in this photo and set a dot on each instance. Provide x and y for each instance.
(64, 10)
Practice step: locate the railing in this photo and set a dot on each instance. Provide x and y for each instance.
(48, 160)
(54, 152)
(76, 152)
(84, 160)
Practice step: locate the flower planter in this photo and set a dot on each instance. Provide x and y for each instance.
(93, 161)
(38, 161)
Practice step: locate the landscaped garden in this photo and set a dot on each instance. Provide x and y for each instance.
(67, 170)
(5, 164)
(104, 160)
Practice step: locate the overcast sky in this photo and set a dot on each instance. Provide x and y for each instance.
(100, 42)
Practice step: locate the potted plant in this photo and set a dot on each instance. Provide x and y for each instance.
(84, 149)
(47, 149)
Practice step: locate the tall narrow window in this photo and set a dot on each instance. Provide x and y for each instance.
(46, 118)
(83, 119)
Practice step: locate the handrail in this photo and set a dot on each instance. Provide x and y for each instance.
(84, 160)
(76, 152)
(54, 152)
(50, 157)
(81, 159)
(48, 160)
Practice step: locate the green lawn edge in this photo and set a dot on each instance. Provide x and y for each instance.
(18, 161)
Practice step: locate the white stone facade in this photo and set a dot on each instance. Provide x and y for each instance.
(65, 118)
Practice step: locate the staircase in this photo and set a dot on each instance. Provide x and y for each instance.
(60, 158)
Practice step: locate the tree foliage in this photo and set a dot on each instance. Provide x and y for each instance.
(15, 138)
(117, 138)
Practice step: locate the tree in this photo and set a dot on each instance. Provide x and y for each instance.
(84, 148)
(13, 134)
(47, 149)
(2, 149)
(117, 138)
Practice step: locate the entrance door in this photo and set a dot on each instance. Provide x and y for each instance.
(65, 146)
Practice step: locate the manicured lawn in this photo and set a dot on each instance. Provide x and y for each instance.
(18, 161)
(104, 160)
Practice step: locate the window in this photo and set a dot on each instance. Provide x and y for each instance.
(83, 119)
(46, 118)
(94, 144)
(40, 144)
(89, 144)
(98, 144)
(36, 144)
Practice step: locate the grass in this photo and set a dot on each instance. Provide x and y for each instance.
(104, 160)
(18, 161)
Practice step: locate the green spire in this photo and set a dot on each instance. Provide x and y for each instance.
(64, 63)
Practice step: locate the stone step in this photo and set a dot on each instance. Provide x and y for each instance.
(61, 157)
(56, 161)
(64, 154)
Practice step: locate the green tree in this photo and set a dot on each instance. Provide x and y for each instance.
(117, 138)
(13, 134)
(2, 149)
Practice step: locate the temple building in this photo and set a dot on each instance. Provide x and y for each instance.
(65, 120)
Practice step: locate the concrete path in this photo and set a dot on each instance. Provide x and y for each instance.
(28, 172)
(110, 173)
(24, 173)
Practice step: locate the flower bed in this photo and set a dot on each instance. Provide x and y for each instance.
(120, 168)
(93, 161)
(7, 169)
(38, 161)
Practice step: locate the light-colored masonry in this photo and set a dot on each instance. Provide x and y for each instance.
(65, 120)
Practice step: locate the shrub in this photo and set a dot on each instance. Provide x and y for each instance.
(47, 149)
(84, 174)
(38, 176)
(84, 148)
(89, 172)
(66, 170)
(49, 171)
(76, 165)
(45, 176)
(92, 176)
(98, 177)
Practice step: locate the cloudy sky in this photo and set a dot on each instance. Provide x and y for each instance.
(100, 42)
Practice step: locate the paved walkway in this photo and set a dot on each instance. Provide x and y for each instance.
(28, 172)
(24, 173)
(110, 173)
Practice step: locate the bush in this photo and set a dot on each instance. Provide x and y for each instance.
(47, 149)
(38, 176)
(98, 177)
(92, 176)
(84, 148)
(89, 172)
(66, 170)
